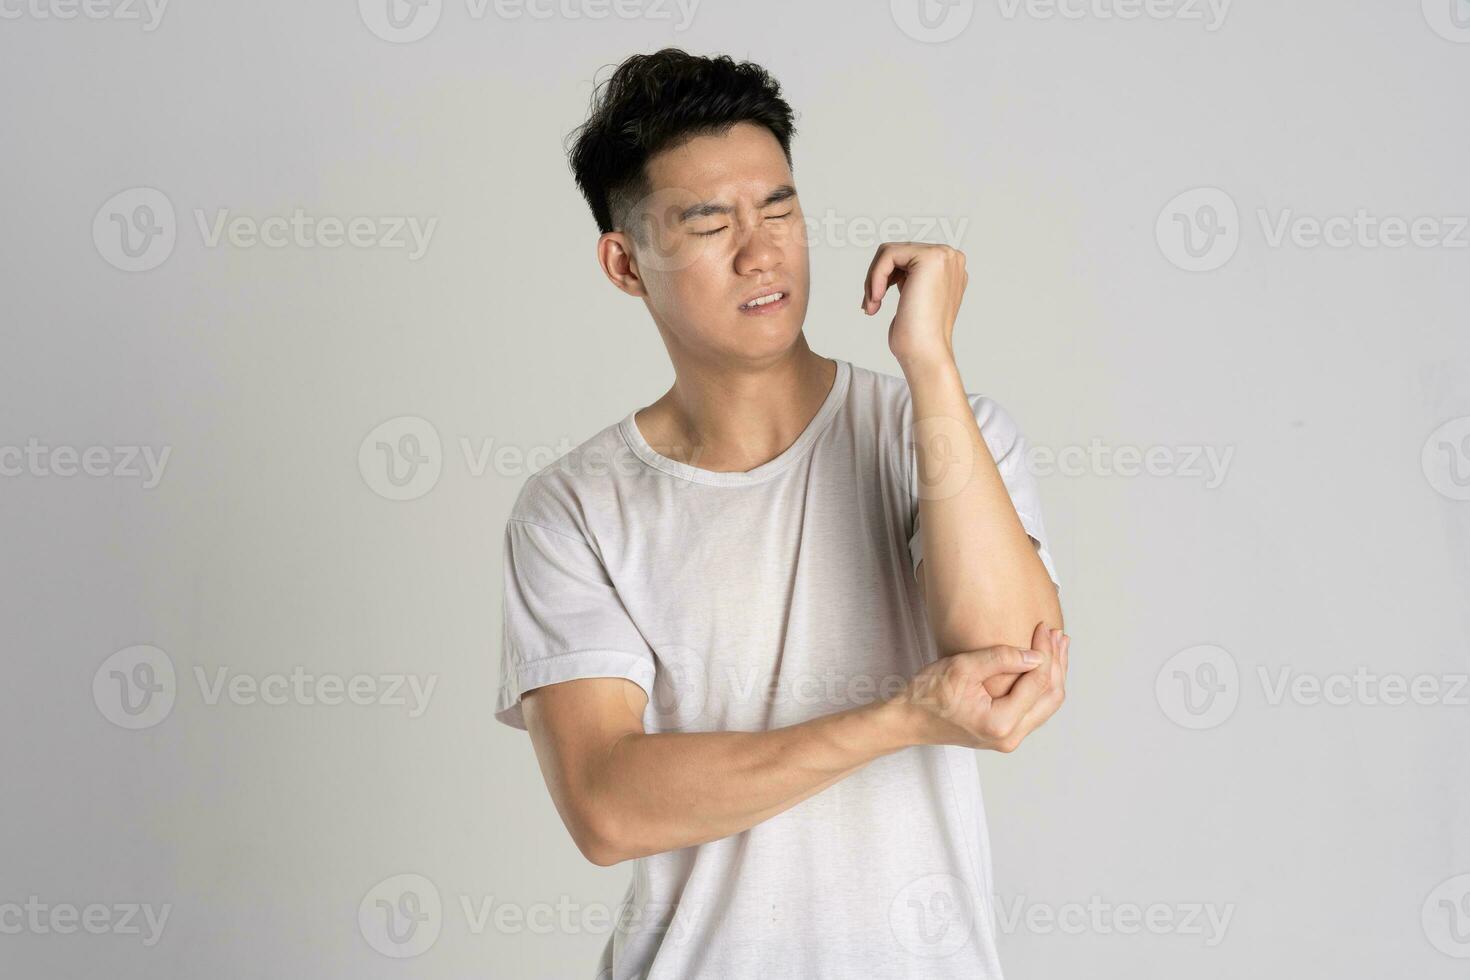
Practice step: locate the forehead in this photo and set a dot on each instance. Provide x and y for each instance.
(745, 160)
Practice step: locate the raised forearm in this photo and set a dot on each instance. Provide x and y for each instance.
(658, 792)
(984, 582)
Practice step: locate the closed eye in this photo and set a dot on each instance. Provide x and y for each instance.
(706, 234)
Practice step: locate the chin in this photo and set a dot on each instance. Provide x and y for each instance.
(766, 337)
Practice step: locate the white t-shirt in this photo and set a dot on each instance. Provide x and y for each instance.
(749, 601)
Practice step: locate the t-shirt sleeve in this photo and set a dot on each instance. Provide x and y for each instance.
(1009, 448)
(562, 618)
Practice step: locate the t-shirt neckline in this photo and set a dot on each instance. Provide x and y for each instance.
(640, 447)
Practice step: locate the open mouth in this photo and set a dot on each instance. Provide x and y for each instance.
(767, 303)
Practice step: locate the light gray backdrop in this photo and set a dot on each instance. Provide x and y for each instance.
(296, 295)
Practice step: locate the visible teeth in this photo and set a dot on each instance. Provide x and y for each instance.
(764, 300)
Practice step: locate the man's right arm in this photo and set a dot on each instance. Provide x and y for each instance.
(624, 793)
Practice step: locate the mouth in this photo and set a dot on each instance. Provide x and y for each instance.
(766, 303)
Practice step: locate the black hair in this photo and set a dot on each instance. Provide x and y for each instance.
(655, 102)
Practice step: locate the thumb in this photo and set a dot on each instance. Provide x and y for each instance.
(1041, 639)
(1005, 660)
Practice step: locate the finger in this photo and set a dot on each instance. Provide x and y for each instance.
(1007, 712)
(993, 661)
(890, 256)
(1000, 685)
(1039, 714)
(1041, 639)
(1048, 705)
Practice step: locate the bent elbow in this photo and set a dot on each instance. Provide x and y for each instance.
(596, 836)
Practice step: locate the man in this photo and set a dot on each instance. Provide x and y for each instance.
(755, 677)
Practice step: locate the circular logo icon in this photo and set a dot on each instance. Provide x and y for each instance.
(135, 230)
(932, 21)
(135, 687)
(1199, 230)
(1446, 459)
(661, 233)
(950, 459)
(401, 916)
(1199, 687)
(680, 688)
(933, 916)
(400, 21)
(1446, 917)
(402, 458)
(1450, 19)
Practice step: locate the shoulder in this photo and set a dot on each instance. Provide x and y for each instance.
(562, 495)
(891, 401)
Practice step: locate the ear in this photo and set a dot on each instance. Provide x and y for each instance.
(615, 255)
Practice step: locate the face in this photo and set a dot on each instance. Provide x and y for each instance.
(722, 226)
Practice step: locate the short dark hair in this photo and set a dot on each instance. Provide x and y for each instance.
(654, 102)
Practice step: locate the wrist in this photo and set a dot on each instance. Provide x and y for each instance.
(920, 367)
(897, 722)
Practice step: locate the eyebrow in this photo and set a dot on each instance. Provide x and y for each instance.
(707, 208)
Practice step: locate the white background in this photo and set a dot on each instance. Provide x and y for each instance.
(1332, 833)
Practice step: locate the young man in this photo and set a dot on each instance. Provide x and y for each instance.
(755, 677)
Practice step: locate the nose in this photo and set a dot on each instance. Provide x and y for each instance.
(761, 250)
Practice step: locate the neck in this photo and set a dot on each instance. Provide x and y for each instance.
(734, 417)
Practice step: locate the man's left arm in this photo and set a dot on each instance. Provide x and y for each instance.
(982, 580)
